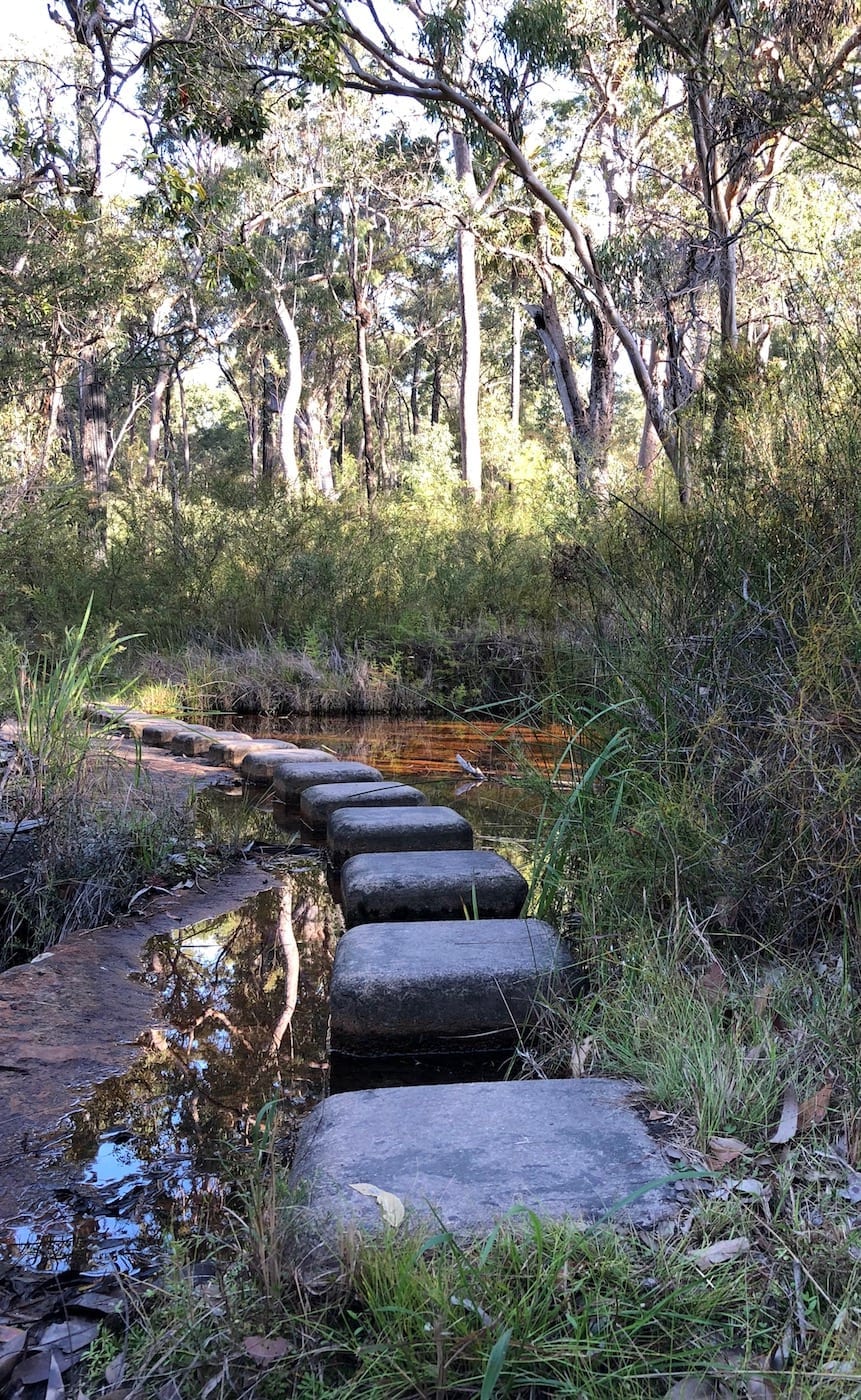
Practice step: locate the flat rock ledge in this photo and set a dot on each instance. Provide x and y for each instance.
(422, 987)
(388, 828)
(430, 885)
(465, 1155)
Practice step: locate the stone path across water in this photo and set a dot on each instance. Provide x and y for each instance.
(419, 970)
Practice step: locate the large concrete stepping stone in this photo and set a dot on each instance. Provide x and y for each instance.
(160, 733)
(388, 828)
(193, 741)
(318, 804)
(258, 765)
(297, 773)
(423, 986)
(230, 746)
(430, 885)
(465, 1154)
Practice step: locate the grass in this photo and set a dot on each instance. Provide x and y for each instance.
(531, 1310)
(100, 831)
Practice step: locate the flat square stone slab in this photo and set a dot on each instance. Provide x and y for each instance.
(567, 1148)
(191, 743)
(421, 986)
(295, 774)
(390, 828)
(231, 748)
(160, 732)
(318, 804)
(430, 885)
(259, 764)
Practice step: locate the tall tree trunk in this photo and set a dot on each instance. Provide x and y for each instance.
(470, 322)
(516, 357)
(650, 445)
(186, 445)
(93, 404)
(602, 401)
(368, 456)
(270, 435)
(292, 393)
(418, 356)
(315, 427)
(436, 389)
(156, 417)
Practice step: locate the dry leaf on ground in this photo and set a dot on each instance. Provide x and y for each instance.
(723, 1150)
(391, 1206)
(788, 1125)
(580, 1056)
(692, 1388)
(712, 984)
(814, 1108)
(721, 1252)
(266, 1349)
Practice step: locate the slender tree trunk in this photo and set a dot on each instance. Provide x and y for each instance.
(186, 445)
(470, 323)
(315, 427)
(93, 402)
(602, 401)
(292, 393)
(156, 417)
(650, 446)
(516, 357)
(52, 419)
(270, 435)
(368, 456)
(418, 356)
(436, 389)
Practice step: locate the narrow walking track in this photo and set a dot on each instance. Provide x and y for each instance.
(438, 956)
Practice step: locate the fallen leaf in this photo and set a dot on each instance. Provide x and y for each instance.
(13, 1340)
(722, 1252)
(37, 1367)
(116, 1369)
(266, 1349)
(657, 1115)
(580, 1056)
(723, 1150)
(814, 1109)
(712, 984)
(692, 1388)
(391, 1207)
(761, 998)
(851, 1193)
(74, 1335)
(788, 1125)
(55, 1389)
(758, 1388)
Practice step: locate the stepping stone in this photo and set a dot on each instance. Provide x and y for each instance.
(317, 804)
(231, 747)
(160, 733)
(461, 1156)
(192, 742)
(388, 828)
(259, 765)
(421, 986)
(297, 773)
(430, 885)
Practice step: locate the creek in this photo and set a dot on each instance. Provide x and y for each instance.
(243, 1011)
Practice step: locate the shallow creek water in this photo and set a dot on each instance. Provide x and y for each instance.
(243, 1012)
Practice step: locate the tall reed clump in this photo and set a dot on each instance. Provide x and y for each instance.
(91, 833)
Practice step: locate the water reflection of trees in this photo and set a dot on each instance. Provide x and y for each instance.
(245, 1001)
